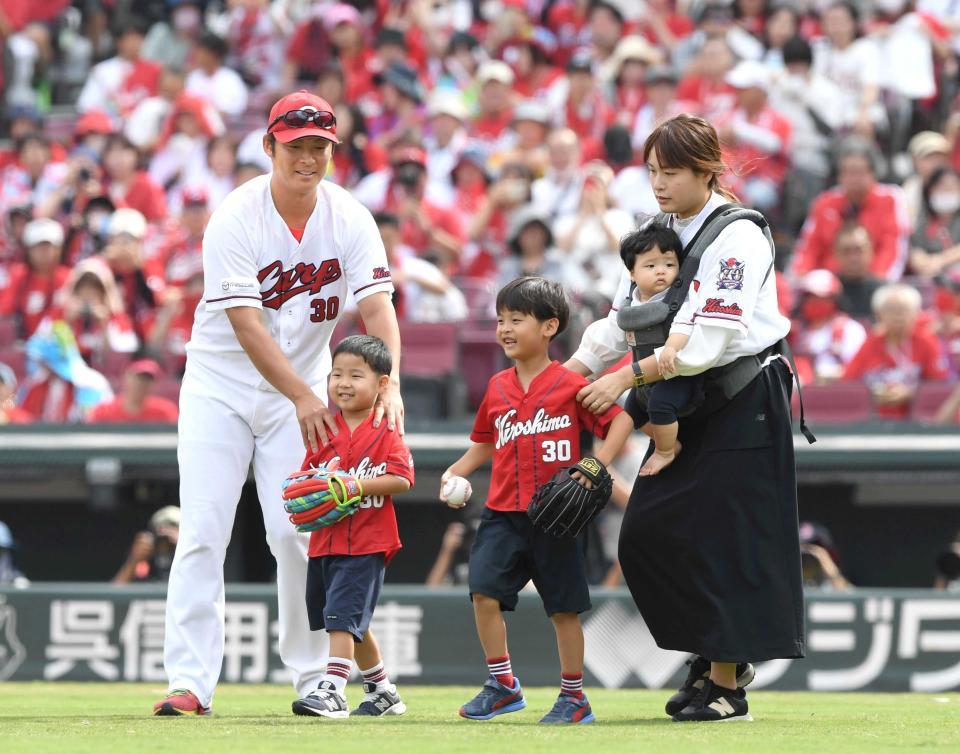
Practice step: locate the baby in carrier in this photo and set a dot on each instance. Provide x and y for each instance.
(653, 256)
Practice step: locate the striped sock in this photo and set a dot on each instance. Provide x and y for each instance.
(338, 670)
(501, 669)
(377, 675)
(572, 684)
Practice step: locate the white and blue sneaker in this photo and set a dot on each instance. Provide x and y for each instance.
(379, 703)
(494, 699)
(324, 701)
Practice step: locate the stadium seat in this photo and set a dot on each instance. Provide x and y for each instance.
(838, 403)
(928, 400)
(433, 386)
(481, 356)
(15, 359)
(8, 331)
(480, 296)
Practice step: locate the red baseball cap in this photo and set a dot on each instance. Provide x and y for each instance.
(301, 100)
(146, 366)
(416, 155)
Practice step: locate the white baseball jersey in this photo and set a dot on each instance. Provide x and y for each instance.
(251, 258)
(730, 310)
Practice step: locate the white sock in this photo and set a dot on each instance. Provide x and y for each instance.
(338, 670)
(377, 675)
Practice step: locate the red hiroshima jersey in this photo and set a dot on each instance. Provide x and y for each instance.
(535, 433)
(367, 452)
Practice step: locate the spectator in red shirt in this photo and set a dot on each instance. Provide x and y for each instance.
(179, 253)
(127, 184)
(530, 58)
(706, 85)
(663, 25)
(10, 412)
(878, 207)
(309, 49)
(30, 292)
(586, 111)
(495, 100)
(119, 84)
(626, 74)
(135, 405)
(174, 322)
(898, 354)
(756, 138)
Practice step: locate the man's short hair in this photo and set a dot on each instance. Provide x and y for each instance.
(370, 348)
(641, 241)
(213, 43)
(542, 299)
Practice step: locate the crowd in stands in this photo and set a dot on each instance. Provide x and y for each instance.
(490, 138)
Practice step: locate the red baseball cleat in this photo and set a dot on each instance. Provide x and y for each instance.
(180, 702)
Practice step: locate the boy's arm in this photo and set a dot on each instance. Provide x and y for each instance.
(388, 484)
(478, 454)
(618, 434)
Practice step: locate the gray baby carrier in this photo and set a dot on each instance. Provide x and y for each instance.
(648, 326)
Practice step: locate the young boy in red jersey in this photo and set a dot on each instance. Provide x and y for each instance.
(529, 423)
(348, 559)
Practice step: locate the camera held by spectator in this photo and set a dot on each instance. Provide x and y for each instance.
(152, 551)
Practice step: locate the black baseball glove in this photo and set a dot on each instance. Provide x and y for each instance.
(563, 506)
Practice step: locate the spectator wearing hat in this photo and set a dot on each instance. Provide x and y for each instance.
(140, 281)
(127, 184)
(853, 257)
(422, 293)
(826, 339)
(935, 243)
(90, 304)
(488, 227)
(533, 252)
(214, 81)
(357, 61)
(169, 42)
(10, 412)
(152, 551)
(662, 103)
(527, 142)
(119, 84)
(878, 207)
(401, 98)
(756, 138)
(590, 237)
(178, 250)
(531, 59)
(145, 125)
(586, 111)
(494, 102)
(92, 129)
(899, 352)
(29, 293)
(626, 76)
(811, 104)
(446, 137)
(929, 151)
(558, 191)
(10, 575)
(135, 404)
(461, 61)
(853, 63)
(705, 84)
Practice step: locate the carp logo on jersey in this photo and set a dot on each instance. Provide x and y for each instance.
(302, 278)
(731, 275)
(509, 430)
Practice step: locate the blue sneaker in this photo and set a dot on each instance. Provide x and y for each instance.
(494, 699)
(568, 710)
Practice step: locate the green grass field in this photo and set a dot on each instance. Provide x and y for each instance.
(106, 718)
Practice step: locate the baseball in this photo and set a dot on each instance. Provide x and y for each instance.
(456, 491)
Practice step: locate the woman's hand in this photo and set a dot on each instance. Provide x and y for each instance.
(598, 396)
(668, 361)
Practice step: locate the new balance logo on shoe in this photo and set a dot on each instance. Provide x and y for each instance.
(722, 706)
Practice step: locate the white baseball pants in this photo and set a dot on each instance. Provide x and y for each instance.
(223, 426)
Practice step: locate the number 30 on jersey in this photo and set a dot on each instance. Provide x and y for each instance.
(555, 450)
(324, 309)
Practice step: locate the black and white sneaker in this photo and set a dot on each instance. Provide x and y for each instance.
(324, 701)
(379, 703)
(699, 672)
(715, 704)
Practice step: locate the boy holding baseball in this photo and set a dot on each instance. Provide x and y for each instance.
(529, 423)
(348, 558)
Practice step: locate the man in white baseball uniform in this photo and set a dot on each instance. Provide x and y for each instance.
(279, 257)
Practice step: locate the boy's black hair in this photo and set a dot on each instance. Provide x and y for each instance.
(640, 241)
(369, 348)
(542, 299)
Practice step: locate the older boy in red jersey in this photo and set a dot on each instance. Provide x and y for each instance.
(530, 423)
(348, 559)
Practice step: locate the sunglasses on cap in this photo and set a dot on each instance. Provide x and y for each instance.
(303, 117)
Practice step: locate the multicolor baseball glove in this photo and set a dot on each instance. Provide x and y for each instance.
(563, 506)
(321, 497)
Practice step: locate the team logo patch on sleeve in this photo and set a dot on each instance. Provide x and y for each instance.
(380, 273)
(719, 306)
(731, 275)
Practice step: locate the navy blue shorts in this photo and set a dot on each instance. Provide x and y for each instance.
(342, 592)
(508, 552)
